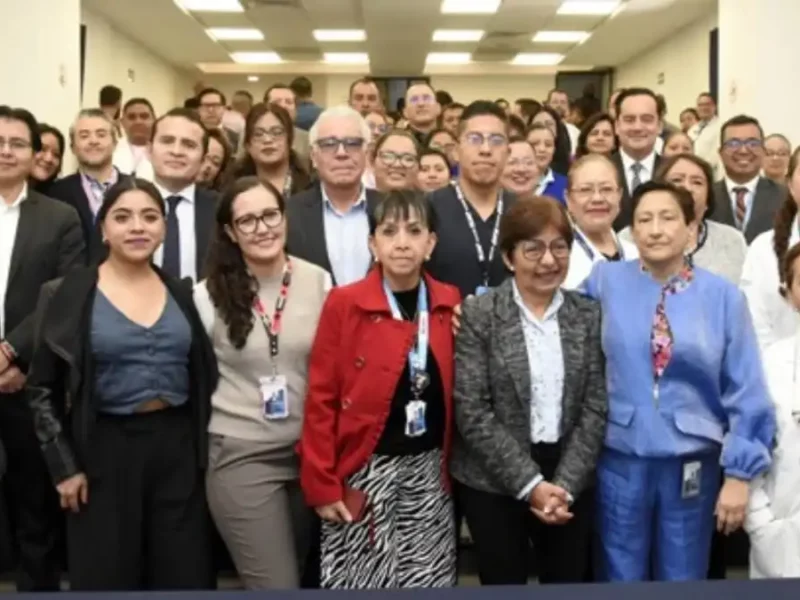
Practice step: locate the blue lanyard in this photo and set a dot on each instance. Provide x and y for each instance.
(418, 355)
(584, 244)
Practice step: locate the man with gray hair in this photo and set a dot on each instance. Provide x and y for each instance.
(93, 139)
(329, 223)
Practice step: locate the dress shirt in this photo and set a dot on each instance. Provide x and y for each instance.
(188, 236)
(346, 238)
(648, 166)
(546, 364)
(574, 133)
(96, 190)
(748, 198)
(9, 220)
(706, 138)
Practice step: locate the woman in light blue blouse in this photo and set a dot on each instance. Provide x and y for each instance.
(686, 394)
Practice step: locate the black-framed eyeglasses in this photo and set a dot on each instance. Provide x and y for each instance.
(331, 145)
(275, 132)
(15, 144)
(737, 144)
(248, 224)
(534, 250)
(405, 159)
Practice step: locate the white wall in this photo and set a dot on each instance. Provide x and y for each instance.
(109, 57)
(683, 60)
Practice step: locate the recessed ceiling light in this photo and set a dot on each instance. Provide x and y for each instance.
(346, 58)
(448, 58)
(256, 58)
(588, 7)
(252, 78)
(234, 33)
(474, 7)
(457, 35)
(561, 36)
(340, 35)
(537, 59)
(210, 5)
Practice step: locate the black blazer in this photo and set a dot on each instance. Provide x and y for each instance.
(61, 379)
(306, 226)
(768, 199)
(49, 243)
(625, 216)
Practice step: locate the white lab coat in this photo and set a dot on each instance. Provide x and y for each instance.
(773, 515)
(581, 263)
(773, 317)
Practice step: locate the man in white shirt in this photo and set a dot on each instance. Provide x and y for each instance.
(132, 155)
(179, 144)
(558, 100)
(706, 132)
(638, 125)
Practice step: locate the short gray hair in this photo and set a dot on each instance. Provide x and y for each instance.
(342, 111)
(95, 113)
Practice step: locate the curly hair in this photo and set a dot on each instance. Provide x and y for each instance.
(784, 219)
(230, 285)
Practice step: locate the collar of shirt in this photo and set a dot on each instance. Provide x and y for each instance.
(550, 313)
(186, 193)
(360, 204)
(648, 162)
(103, 184)
(19, 199)
(545, 181)
(750, 186)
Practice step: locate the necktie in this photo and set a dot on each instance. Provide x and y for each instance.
(741, 205)
(636, 181)
(171, 263)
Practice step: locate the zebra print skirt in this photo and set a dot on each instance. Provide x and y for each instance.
(408, 539)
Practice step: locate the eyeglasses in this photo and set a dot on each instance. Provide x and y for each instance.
(248, 224)
(737, 144)
(495, 140)
(330, 145)
(379, 129)
(393, 158)
(588, 191)
(528, 163)
(777, 154)
(211, 105)
(15, 144)
(272, 133)
(422, 99)
(534, 250)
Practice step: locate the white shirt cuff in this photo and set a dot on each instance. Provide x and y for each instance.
(525, 494)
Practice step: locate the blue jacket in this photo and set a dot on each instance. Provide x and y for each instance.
(307, 114)
(713, 392)
(557, 187)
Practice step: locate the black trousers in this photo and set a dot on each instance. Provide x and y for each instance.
(31, 499)
(146, 525)
(503, 530)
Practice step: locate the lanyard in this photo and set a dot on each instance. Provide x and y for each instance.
(584, 244)
(702, 236)
(484, 259)
(418, 355)
(272, 327)
(287, 186)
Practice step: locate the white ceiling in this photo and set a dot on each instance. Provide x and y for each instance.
(398, 32)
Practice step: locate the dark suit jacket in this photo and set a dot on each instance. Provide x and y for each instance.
(625, 216)
(48, 244)
(768, 199)
(492, 395)
(306, 226)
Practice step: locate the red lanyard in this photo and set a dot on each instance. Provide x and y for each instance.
(272, 326)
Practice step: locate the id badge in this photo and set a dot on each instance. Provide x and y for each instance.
(274, 397)
(481, 290)
(415, 418)
(690, 486)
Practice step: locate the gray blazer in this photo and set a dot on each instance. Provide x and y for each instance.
(768, 199)
(492, 396)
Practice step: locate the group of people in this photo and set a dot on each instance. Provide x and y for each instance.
(580, 348)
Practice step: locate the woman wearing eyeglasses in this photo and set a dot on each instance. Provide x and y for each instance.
(395, 161)
(530, 405)
(593, 200)
(260, 307)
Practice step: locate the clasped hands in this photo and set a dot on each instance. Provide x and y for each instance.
(550, 503)
(12, 379)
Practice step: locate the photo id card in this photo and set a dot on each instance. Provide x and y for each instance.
(415, 418)
(274, 397)
(690, 486)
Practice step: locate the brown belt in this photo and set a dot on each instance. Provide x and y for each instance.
(149, 406)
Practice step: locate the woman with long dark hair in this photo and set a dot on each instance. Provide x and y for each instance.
(561, 154)
(48, 161)
(216, 162)
(260, 308)
(597, 136)
(120, 388)
(268, 139)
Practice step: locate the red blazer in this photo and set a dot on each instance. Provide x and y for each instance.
(357, 359)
